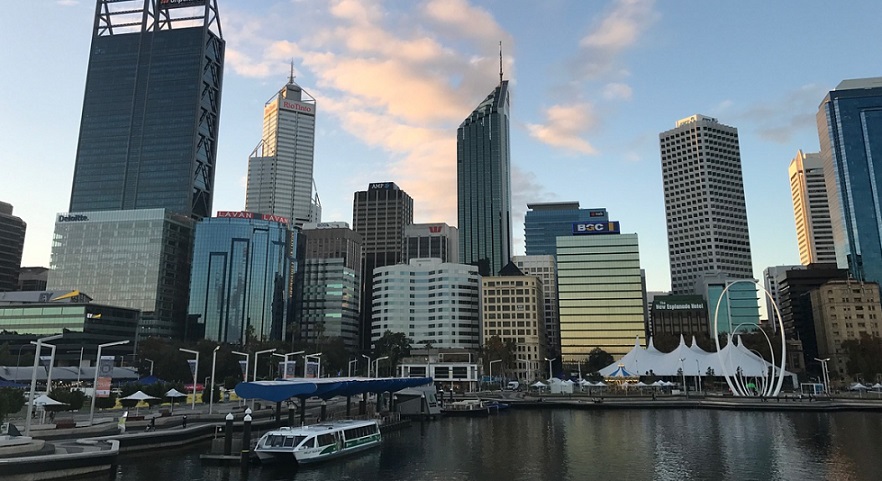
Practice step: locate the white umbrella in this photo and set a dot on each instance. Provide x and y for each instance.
(139, 396)
(600, 384)
(857, 387)
(174, 394)
(539, 384)
(45, 400)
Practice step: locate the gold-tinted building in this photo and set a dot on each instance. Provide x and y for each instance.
(843, 311)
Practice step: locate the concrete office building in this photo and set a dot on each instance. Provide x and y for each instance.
(440, 241)
(430, 301)
(544, 268)
(849, 121)
(33, 278)
(329, 283)
(811, 210)
(513, 307)
(601, 291)
(704, 202)
(280, 169)
(545, 222)
(148, 134)
(379, 216)
(242, 277)
(12, 237)
(483, 184)
(844, 310)
(138, 259)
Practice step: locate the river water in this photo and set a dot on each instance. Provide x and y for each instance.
(582, 445)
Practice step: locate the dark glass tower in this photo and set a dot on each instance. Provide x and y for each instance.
(483, 184)
(850, 133)
(148, 134)
(545, 222)
(12, 236)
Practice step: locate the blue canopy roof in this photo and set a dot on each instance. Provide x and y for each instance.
(325, 388)
(621, 372)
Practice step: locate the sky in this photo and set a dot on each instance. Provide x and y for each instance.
(593, 83)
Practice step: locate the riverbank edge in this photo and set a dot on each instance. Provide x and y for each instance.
(728, 404)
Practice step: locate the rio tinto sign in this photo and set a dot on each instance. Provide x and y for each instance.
(296, 106)
(229, 214)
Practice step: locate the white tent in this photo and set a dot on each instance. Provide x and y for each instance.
(45, 400)
(539, 385)
(858, 387)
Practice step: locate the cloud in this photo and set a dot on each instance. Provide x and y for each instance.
(68, 3)
(781, 119)
(617, 31)
(565, 128)
(525, 189)
(616, 91)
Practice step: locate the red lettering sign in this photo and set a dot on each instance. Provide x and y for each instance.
(235, 214)
(434, 229)
(275, 218)
(296, 106)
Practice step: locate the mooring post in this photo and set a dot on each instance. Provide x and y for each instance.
(362, 408)
(348, 405)
(422, 406)
(246, 440)
(290, 414)
(324, 414)
(228, 435)
(302, 411)
(278, 412)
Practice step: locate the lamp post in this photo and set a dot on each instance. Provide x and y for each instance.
(683, 374)
(244, 371)
(291, 354)
(698, 371)
(195, 373)
(318, 356)
(549, 367)
(355, 361)
(377, 365)
(151, 365)
(213, 365)
(51, 365)
(368, 364)
(491, 369)
(258, 353)
(825, 374)
(95, 380)
(34, 381)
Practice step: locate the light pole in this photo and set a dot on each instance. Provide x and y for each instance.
(698, 371)
(34, 381)
(195, 373)
(95, 380)
(51, 365)
(377, 365)
(213, 365)
(491, 369)
(291, 354)
(825, 374)
(549, 367)
(683, 373)
(368, 364)
(254, 377)
(350, 366)
(244, 371)
(151, 365)
(318, 356)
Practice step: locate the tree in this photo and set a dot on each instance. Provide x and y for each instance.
(396, 345)
(495, 348)
(864, 356)
(598, 359)
(73, 400)
(11, 401)
(106, 402)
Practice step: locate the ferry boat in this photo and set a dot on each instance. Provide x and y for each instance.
(318, 442)
(467, 407)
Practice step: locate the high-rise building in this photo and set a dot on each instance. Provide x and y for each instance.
(12, 236)
(440, 241)
(148, 134)
(379, 216)
(430, 301)
(811, 210)
(280, 168)
(544, 268)
(33, 278)
(329, 296)
(138, 259)
(733, 302)
(545, 222)
(242, 276)
(483, 184)
(704, 202)
(601, 290)
(849, 121)
(773, 276)
(844, 310)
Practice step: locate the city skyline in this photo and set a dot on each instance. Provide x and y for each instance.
(588, 101)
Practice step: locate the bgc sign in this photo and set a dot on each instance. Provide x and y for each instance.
(589, 228)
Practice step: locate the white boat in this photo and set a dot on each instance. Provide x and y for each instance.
(318, 442)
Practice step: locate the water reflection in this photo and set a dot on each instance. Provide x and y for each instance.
(577, 445)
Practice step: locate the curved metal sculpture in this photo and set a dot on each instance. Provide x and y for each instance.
(734, 383)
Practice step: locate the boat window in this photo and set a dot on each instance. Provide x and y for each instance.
(289, 441)
(271, 440)
(326, 439)
(277, 441)
(309, 443)
(298, 440)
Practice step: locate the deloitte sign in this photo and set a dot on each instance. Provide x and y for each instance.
(588, 228)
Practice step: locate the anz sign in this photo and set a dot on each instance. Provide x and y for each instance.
(588, 228)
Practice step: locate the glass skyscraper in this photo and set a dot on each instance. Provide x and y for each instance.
(148, 134)
(850, 133)
(544, 222)
(483, 184)
(242, 276)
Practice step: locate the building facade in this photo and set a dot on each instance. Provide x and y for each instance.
(844, 311)
(330, 283)
(138, 259)
(432, 302)
(379, 216)
(704, 202)
(513, 306)
(440, 241)
(679, 315)
(849, 120)
(33, 278)
(12, 237)
(733, 301)
(811, 210)
(773, 277)
(545, 222)
(242, 277)
(483, 184)
(545, 268)
(280, 169)
(601, 292)
(148, 134)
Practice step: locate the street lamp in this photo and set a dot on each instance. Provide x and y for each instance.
(291, 354)
(51, 365)
(254, 377)
(683, 373)
(368, 364)
(244, 371)
(825, 373)
(491, 369)
(34, 381)
(549, 367)
(318, 356)
(350, 366)
(213, 365)
(377, 365)
(151, 365)
(698, 371)
(195, 373)
(95, 380)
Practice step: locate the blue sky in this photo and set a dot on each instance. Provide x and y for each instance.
(593, 84)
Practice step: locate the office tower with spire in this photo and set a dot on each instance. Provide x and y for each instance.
(704, 202)
(811, 210)
(850, 133)
(280, 168)
(379, 215)
(483, 183)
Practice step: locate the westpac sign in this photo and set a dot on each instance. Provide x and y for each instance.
(590, 228)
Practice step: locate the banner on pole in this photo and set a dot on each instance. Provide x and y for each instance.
(243, 365)
(192, 363)
(105, 376)
(46, 362)
(287, 369)
(312, 369)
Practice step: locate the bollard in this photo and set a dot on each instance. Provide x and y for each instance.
(422, 406)
(228, 435)
(348, 406)
(324, 414)
(278, 413)
(290, 414)
(184, 422)
(246, 440)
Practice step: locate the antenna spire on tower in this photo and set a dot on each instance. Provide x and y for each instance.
(291, 78)
(500, 61)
